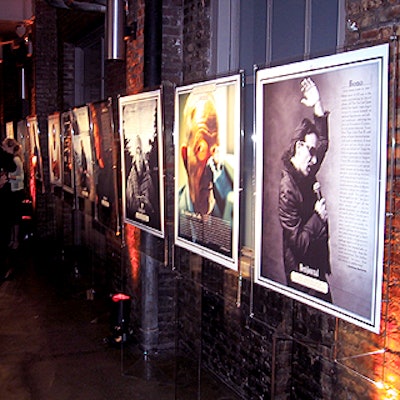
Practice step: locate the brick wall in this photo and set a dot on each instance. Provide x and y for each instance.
(44, 101)
(135, 52)
(266, 345)
(196, 39)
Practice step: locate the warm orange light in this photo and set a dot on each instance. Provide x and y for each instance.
(32, 186)
(380, 385)
(388, 391)
(132, 240)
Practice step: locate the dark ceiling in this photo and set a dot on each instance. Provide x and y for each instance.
(76, 18)
(74, 25)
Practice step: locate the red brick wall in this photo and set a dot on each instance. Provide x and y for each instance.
(172, 53)
(135, 53)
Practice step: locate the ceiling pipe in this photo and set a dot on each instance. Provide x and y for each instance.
(152, 42)
(115, 23)
(57, 4)
(83, 6)
(97, 6)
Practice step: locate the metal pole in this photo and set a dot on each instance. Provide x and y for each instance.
(150, 265)
(115, 45)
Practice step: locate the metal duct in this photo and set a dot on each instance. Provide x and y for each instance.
(152, 42)
(115, 45)
(84, 6)
(57, 3)
(97, 6)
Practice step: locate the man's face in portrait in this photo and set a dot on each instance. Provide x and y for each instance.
(202, 132)
(305, 154)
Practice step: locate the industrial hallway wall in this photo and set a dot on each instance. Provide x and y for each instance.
(259, 342)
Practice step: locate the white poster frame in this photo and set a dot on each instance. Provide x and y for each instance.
(227, 92)
(344, 75)
(54, 144)
(36, 151)
(141, 119)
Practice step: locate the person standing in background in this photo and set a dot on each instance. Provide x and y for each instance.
(16, 180)
(7, 165)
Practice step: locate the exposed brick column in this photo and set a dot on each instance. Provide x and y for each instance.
(135, 54)
(44, 99)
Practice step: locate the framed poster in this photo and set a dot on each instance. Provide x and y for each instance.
(83, 159)
(105, 174)
(54, 142)
(142, 161)
(321, 182)
(36, 161)
(10, 130)
(23, 140)
(67, 152)
(207, 172)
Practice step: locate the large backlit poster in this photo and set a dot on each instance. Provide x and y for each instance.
(36, 162)
(142, 161)
(207, 160)
(81, 142)
(321, 181)
(53, 125)
(101, 118)
(67, 152)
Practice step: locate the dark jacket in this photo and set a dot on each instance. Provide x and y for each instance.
(7, 163)
(305, 235)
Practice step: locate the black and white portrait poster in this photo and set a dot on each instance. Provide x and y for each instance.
(53, 125)
(207, 168)
(142, 161)
(321, 132)
(67, 152)
(82, 145)
(101, 118)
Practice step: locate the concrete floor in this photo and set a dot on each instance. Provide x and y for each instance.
(52, 347)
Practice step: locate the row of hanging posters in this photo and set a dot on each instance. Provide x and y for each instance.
(330, 259)
(82, 157)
